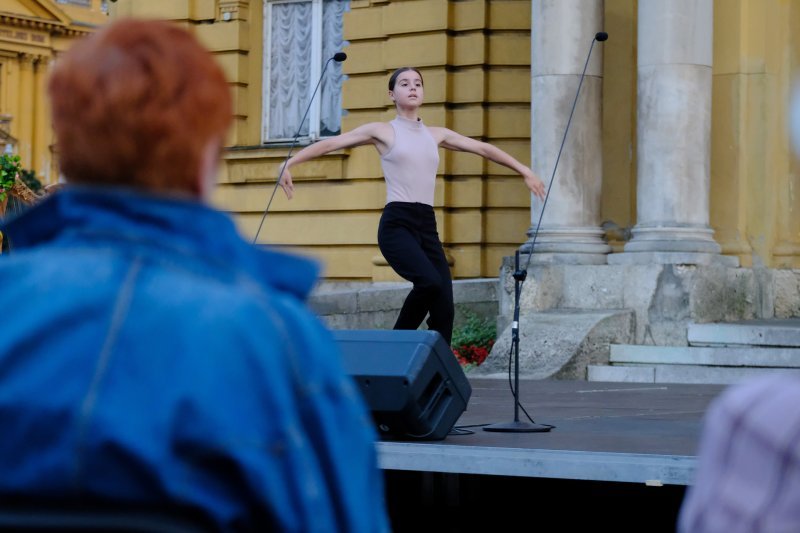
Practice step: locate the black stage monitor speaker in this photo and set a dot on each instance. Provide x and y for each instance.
(410, 380)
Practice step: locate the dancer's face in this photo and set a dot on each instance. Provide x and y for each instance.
(408, 91)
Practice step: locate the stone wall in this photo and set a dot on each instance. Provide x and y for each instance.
(664, 298)
(376, 305)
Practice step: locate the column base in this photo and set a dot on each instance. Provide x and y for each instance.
(671, 239)
(672, 258)
(562, 246)
(562, 258)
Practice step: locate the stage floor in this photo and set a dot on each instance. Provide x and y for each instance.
(621, 432)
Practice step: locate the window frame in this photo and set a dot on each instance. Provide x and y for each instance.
(316, 67)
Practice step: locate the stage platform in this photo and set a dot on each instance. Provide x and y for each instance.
(607, 432)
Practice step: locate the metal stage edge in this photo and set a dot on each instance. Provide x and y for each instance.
(655, 470)
(609, 432)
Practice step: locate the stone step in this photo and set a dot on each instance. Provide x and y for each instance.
(623, 374)
(697, 374)
(729, 356)
(559, 343)
(767, 332)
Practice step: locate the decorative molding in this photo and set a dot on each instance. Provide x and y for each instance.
(29, 60)
(53, 27)
(24, 36)
(234, 10)
(24, 22)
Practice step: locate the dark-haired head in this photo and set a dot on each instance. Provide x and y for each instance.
(396, 73)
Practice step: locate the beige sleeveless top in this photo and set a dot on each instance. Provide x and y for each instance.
(410, 164)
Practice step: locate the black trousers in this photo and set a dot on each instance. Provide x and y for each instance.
(409, 241)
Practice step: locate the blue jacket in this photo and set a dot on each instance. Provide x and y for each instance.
(148, 354)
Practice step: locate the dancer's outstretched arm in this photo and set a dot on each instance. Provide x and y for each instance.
(372, 133)
(455, 141)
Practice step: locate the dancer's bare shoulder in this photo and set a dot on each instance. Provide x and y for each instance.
(379, 134)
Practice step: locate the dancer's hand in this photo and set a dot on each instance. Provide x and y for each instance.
(286, 183)
(533, 183)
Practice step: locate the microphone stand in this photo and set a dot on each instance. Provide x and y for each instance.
(518, 426)
(338, 57)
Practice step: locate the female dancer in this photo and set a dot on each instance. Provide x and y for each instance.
(407, 235)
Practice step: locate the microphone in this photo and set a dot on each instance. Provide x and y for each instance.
(338, 57)
(517, 426)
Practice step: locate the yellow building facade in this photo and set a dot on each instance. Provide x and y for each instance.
(32, 34)
(475, 58)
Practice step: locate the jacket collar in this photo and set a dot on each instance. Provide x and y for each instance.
(175, 224)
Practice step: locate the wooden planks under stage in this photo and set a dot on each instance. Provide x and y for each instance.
(628, 432)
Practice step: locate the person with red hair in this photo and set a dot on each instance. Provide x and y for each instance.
(149, 354)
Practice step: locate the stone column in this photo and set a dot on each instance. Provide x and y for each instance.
(673, 135)
(42, 130)
(562, 32)
(27, 90)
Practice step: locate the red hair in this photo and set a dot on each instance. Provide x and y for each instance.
(136, 104)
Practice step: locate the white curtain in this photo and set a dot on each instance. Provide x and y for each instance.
(290, 72)
(290, 57)
(331, 89)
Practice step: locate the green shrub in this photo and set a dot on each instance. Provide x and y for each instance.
(9, 168)
(473, 340)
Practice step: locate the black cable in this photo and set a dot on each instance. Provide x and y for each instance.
(513, 393)
(463, 430)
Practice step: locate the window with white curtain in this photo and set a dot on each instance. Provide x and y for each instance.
(299, 38)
